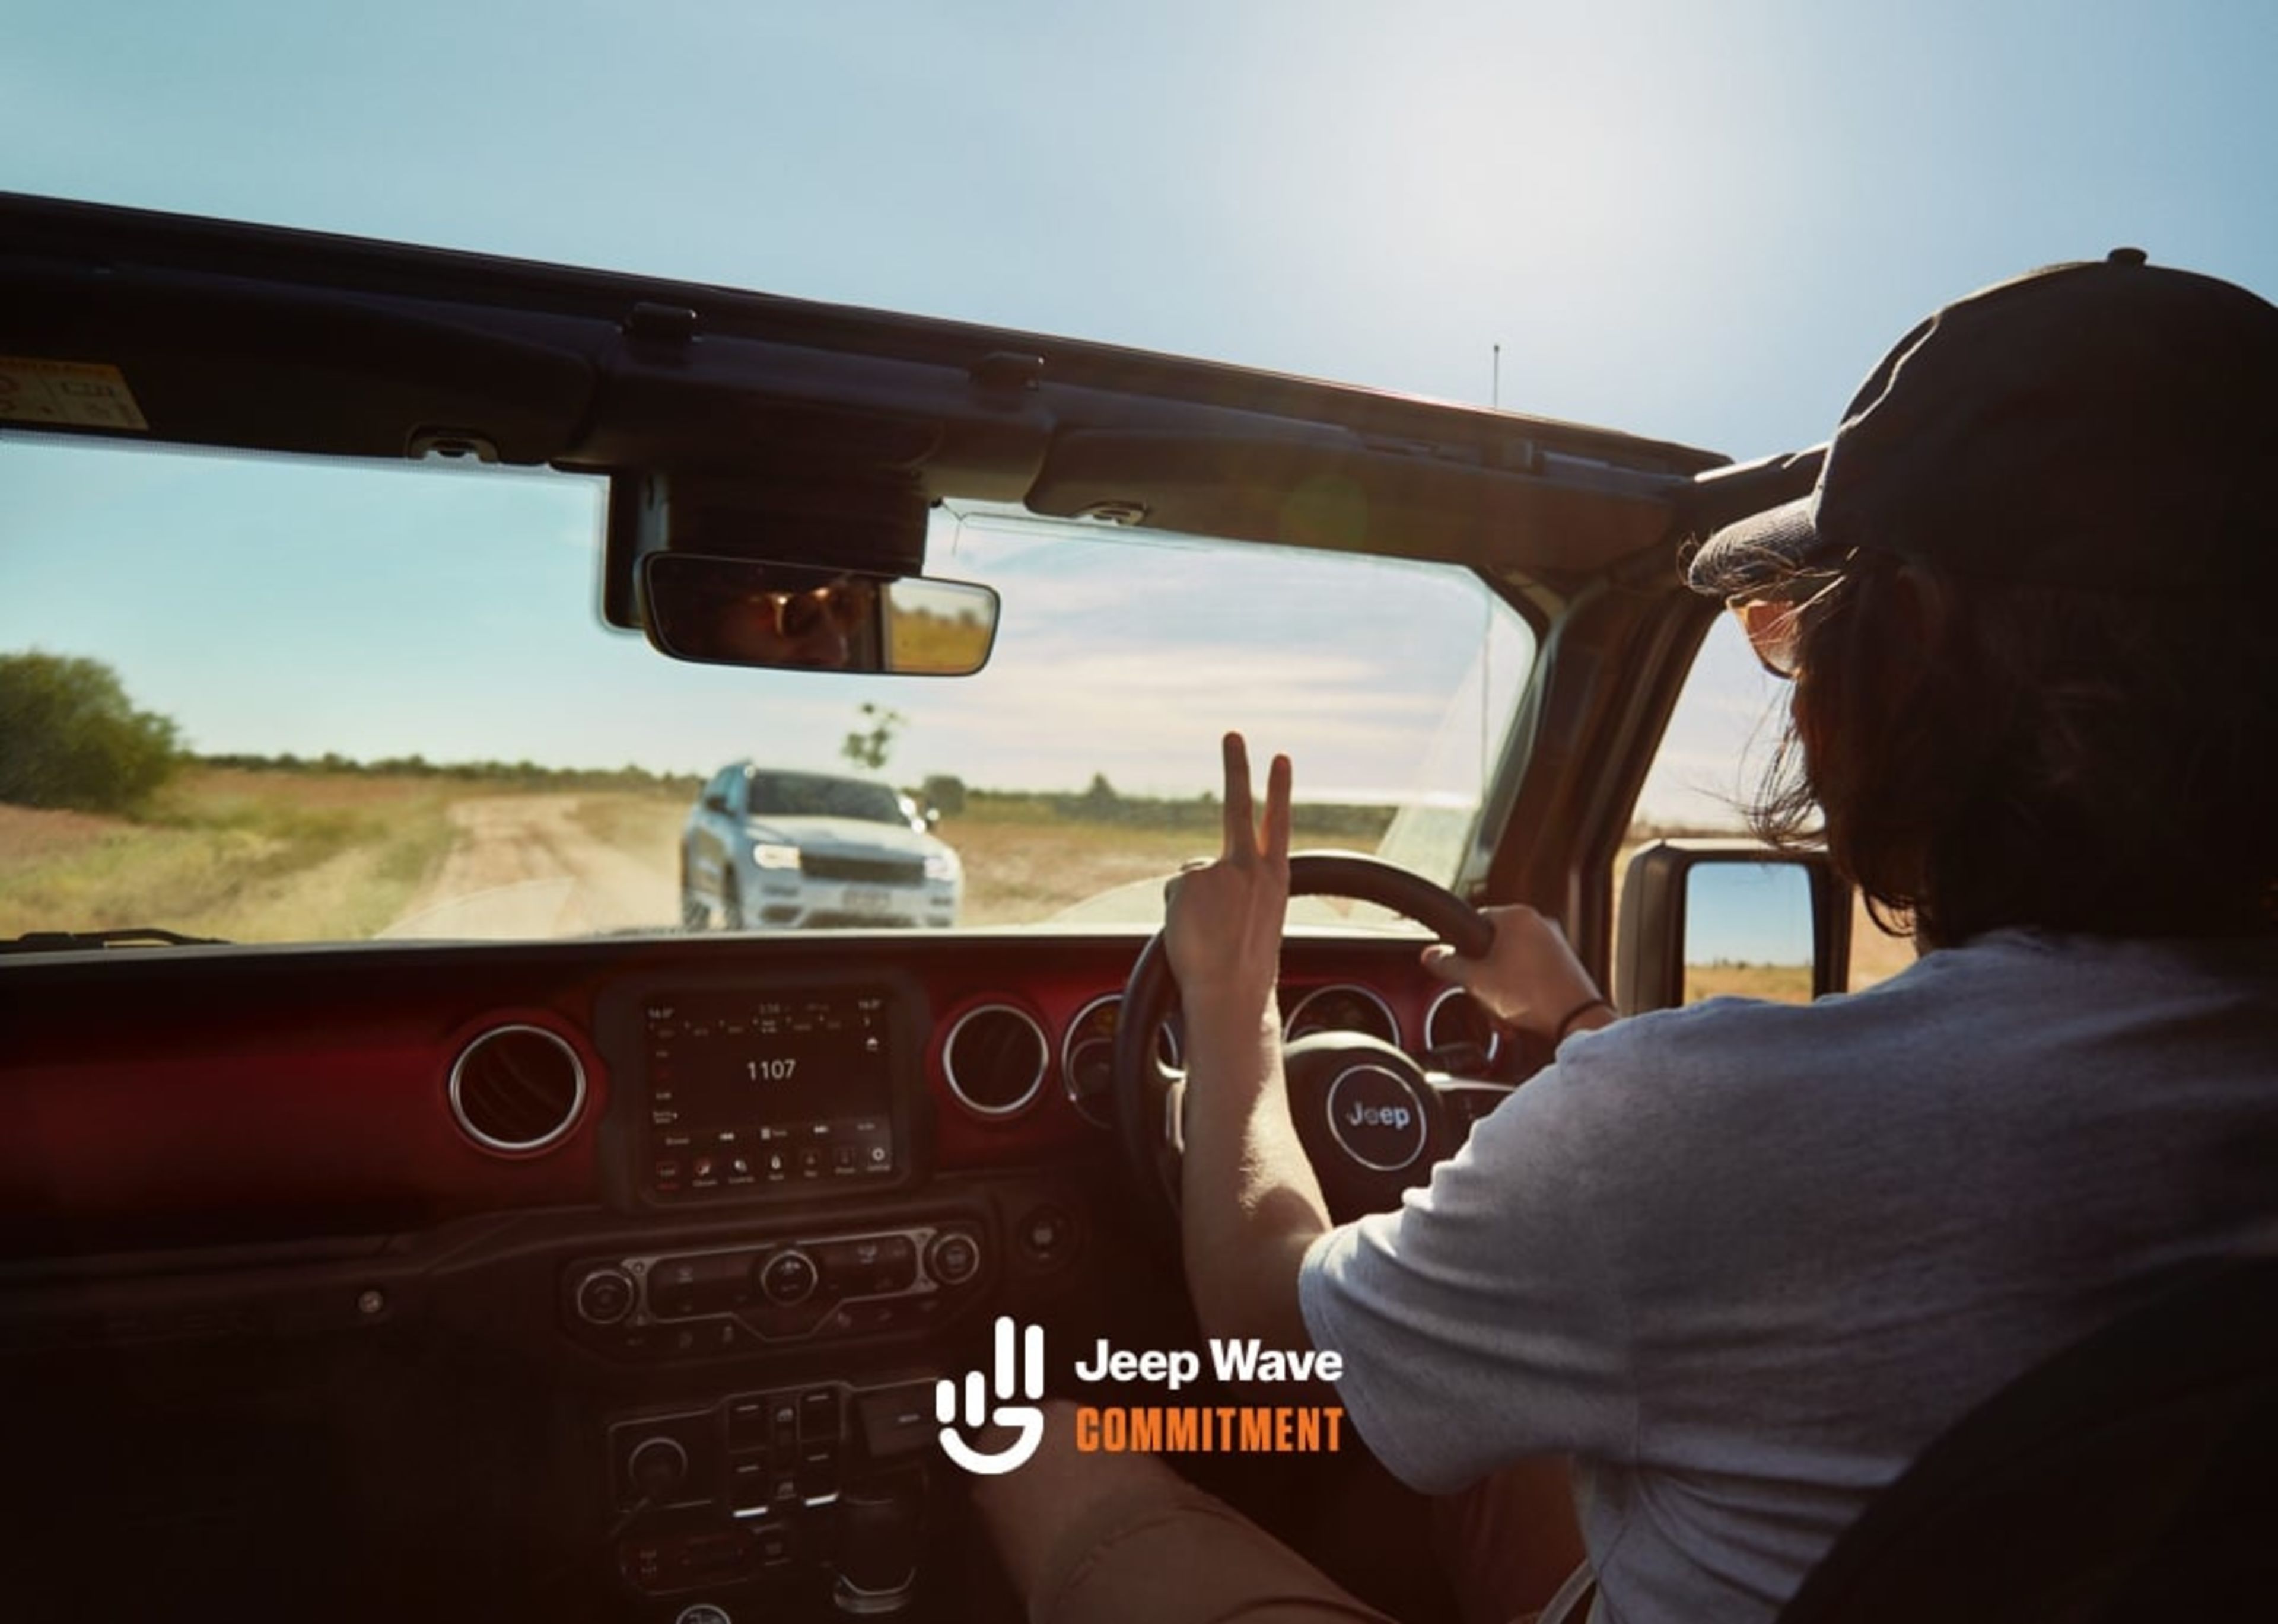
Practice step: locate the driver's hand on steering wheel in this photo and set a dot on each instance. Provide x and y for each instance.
(1528, 978)
(1222, 923)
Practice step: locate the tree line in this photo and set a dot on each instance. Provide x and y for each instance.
(71, 737)
(525, 774)
(1100, 802)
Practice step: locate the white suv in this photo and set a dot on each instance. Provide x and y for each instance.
(764, 850)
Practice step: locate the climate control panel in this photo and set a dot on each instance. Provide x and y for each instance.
(737, 1299)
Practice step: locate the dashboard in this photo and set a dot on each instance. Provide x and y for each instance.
(627, 1259)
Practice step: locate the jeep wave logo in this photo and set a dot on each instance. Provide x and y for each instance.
(1026, 1375)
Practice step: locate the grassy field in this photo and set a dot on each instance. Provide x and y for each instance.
(245, 856)
(1024, 863)
(632, 821)
(256, 856)
(1780, 983)
(272, 855)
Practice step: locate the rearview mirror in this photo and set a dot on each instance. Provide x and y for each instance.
(726, 611)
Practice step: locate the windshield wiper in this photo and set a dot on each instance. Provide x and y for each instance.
(133, 936)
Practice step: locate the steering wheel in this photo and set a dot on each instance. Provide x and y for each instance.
(1370, 1120)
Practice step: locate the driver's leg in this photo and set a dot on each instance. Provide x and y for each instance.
(1122, 1539)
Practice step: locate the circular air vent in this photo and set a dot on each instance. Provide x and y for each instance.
(518, 1089)
(1087, 1057)
(994, 1059)
(1456, 1023)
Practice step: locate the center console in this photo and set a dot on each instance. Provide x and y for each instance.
(792, 1493)
(810, 1286)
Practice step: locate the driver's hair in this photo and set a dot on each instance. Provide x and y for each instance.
(1986, 754)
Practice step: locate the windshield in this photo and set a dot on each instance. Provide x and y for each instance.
(285, 699)
(808, 795)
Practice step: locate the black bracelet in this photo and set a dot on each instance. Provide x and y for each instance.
(1594, 1002)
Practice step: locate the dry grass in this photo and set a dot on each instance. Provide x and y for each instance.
(31, 834)
(245, 856)
(646, 824)
(1780, 983)
(1022, 868)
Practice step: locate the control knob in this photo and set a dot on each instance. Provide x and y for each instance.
(788, 1278)
(953, 1257)
(605, 1296)
(656, 1468)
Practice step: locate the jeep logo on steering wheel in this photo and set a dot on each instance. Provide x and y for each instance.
(1376, 1117)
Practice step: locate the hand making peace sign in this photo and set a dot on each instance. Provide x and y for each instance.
(1223, 925)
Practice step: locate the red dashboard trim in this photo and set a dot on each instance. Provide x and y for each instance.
(180, 1097)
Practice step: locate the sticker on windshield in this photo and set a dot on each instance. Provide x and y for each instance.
(76, 394)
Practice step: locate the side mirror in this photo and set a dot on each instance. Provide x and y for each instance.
(1700, 918)
(716, 802)
(932, 817)
(744, 612)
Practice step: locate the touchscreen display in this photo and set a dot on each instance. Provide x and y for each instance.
(749, 1090)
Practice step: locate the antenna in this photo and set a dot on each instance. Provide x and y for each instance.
(1494, 389)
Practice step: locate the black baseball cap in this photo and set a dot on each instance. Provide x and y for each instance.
(2110, 425)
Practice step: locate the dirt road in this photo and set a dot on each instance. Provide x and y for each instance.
(524, 865)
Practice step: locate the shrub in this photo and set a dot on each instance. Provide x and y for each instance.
(944, 792)
(69, 737)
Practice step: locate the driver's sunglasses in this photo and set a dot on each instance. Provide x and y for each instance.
(799, 615)
(1774, 627)
(1774, 623)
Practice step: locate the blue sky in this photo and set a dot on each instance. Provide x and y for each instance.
(241, 598)
(1701, 222)
(1747, 914)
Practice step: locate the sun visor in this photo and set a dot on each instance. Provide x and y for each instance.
(1549, 512)
(213, 360)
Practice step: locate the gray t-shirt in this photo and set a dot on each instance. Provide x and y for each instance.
(1745, 1260)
